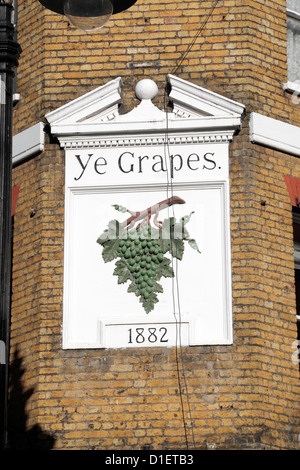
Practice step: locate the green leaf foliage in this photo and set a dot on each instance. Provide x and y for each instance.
(122, 271)
(164, 269)
(149, 303)
(110, 250)
(193, 244)
(141, 254)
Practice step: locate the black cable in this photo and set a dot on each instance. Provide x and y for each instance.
(178, 343)
(199, 32)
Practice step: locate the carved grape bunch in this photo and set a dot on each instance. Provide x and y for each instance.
(140, 250)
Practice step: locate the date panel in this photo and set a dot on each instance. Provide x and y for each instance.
(146, 335)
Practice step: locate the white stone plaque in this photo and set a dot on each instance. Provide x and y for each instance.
(127, 174)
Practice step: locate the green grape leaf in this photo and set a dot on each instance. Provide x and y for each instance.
(164, 268)
(172, 237)
(179, 231)
(122, 271)
(157, 288)
(177, 248)
(187, 218)
(148, 304)
(103, 238)
(110, 250)
(133, 289)
(193, 244)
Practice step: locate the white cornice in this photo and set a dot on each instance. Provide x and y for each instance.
(293, 14)
(274, 134)
(145, 139)
(28, 143)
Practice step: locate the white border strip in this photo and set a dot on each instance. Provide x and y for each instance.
(274, 134)
(293, 14)
(98, 341)
(28, 143)
(293, 87)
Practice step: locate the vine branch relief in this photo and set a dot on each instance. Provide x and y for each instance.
(140, 248)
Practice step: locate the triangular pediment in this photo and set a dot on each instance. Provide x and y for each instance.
(97, 112)
(193, 101)
(99, 105)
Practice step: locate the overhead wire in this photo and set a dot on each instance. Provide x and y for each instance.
(175, 281)
(175, 296)
(197, 35)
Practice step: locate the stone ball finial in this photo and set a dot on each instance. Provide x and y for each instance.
(146, 89)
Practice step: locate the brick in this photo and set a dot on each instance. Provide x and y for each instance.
(130, 399)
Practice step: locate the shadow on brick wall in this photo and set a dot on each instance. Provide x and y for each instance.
(19, 436)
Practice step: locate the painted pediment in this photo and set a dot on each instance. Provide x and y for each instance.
(192, 101)
(193, 107)
(99, 105)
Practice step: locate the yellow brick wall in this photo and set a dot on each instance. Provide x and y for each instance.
(240, 52)
(234, 397)
(263, 286)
